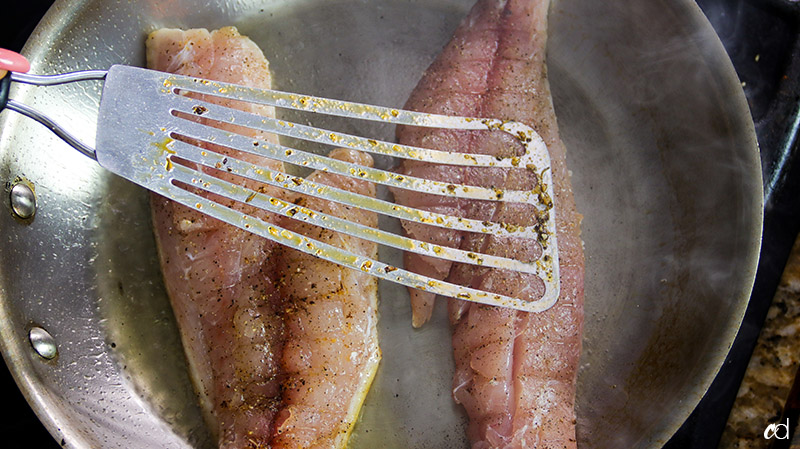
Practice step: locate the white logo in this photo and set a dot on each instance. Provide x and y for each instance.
(777, 431)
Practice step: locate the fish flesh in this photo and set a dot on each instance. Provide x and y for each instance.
(221, 288)
(331, 352)
(282, 347)
(515, 372)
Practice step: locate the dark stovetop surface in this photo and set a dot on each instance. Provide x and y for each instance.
(762, 38)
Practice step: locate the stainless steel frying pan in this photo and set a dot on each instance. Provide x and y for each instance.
(666, 172)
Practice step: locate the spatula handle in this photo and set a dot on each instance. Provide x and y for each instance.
(11, 61)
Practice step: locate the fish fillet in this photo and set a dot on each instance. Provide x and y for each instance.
(282, 347)
(331, 353)
(515, 371)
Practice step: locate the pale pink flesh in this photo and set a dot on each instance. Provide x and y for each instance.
(218, 277)
(258, 320)
(331, 352)
(515, 372)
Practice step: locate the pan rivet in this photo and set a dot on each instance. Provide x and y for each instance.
(43, 343)
(23, 201)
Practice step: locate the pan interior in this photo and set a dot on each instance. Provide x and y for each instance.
(665, 172)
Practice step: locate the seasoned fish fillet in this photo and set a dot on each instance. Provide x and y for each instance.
(263, 327)
(331, 353)
(219, 278)
(515, 372)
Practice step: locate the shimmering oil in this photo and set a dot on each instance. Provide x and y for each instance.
(140, 327)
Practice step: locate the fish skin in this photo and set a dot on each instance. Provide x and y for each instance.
(515, 371)
(249, 317)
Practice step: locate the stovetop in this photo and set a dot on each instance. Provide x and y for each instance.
(762, 37)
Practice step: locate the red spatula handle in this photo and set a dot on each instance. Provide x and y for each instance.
(13, 62)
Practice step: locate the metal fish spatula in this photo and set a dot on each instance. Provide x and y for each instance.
(148, 129)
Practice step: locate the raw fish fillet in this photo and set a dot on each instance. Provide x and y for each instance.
(515, 371)
(219, 278)
(331, 353)
(282, 347)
